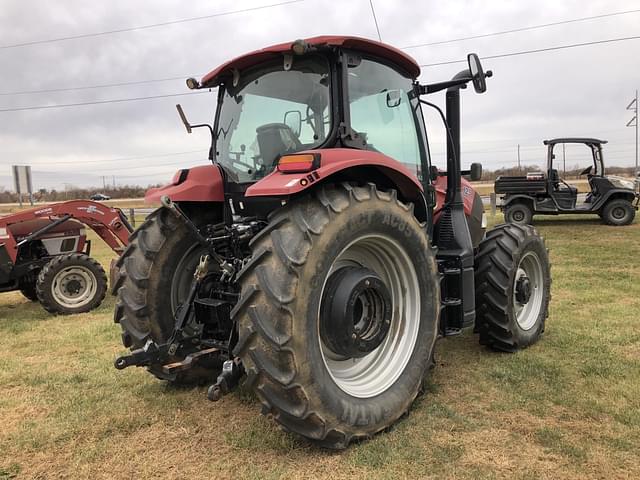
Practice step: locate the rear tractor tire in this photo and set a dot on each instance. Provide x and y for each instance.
(73, 283)
(153, 278)
(338, 313)
(618, 212)
(519, 213)
(513, 283)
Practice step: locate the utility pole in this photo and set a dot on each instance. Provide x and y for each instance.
(518, 157)
(104, 182)
(633, 106)
(114, 181)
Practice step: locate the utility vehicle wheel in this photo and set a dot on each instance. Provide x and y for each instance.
(154, 277)
(338, 313)
(73, 283)
(618, 212)
(513, 282)
(28, 288)
(519, 213)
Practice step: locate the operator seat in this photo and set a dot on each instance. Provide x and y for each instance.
(274, 140)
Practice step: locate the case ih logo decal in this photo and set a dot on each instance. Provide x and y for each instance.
(43, 211)
(91, 209)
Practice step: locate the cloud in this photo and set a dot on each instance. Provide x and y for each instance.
(581, 91)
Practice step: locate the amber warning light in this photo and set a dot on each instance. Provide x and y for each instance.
(298, 163)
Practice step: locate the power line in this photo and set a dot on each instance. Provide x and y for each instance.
(144, 27)
(122, 159)
(89, 87)
(537, 50)
(140, 82)
(97, 102)
(375, 20)
(522, 29)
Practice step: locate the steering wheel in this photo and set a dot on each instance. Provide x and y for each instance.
(586, 171)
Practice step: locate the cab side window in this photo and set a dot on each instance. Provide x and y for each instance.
(382, 112)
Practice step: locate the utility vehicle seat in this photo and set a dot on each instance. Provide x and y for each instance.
(557, 183)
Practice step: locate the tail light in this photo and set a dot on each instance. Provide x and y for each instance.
(299, 163)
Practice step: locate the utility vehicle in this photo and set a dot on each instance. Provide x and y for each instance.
(44, 253)
(321, 254)
(614, 199)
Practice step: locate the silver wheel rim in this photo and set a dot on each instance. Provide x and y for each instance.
(74, 286)
(527, 314)
(374, 373)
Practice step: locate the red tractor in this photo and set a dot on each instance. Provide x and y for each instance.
(321, 255)
(44, 253)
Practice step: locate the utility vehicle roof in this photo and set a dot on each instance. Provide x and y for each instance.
(392, 54)
(574, 140)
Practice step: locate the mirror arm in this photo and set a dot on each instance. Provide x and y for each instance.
(437, 87)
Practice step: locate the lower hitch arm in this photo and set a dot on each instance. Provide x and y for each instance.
(228, 380)
(154, 354)
(142, 357)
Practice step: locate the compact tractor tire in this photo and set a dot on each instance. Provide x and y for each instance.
(286, 287)
(519, 213)
(153, 276)
(28, 288)
(512, 260)
(73, 283)
(618, 212)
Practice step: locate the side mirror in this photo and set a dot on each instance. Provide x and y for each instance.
(475, 172)
(433, 173)
(394, 98)
(293, 120)
(183, 117)
(477, 74)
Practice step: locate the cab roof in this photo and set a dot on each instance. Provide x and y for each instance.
(364, 45)
(575, 140)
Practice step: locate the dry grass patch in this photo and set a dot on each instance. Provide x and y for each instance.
(569, 407)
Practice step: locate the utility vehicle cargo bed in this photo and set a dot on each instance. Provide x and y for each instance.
(519, 185)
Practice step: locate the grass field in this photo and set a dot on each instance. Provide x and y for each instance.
(568, 407)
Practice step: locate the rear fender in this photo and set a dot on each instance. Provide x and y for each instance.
(199, 184)
(346, 164)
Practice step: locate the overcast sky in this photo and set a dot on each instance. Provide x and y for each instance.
(571, 92)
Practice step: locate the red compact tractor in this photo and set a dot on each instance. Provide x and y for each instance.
(321, 255)
(44, 253)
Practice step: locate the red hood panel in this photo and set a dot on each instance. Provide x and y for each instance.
(468, 195)
(203, 184)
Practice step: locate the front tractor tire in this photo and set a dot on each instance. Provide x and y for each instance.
(73, 283)
(153, 277)
(513, 283)
(338, 313)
